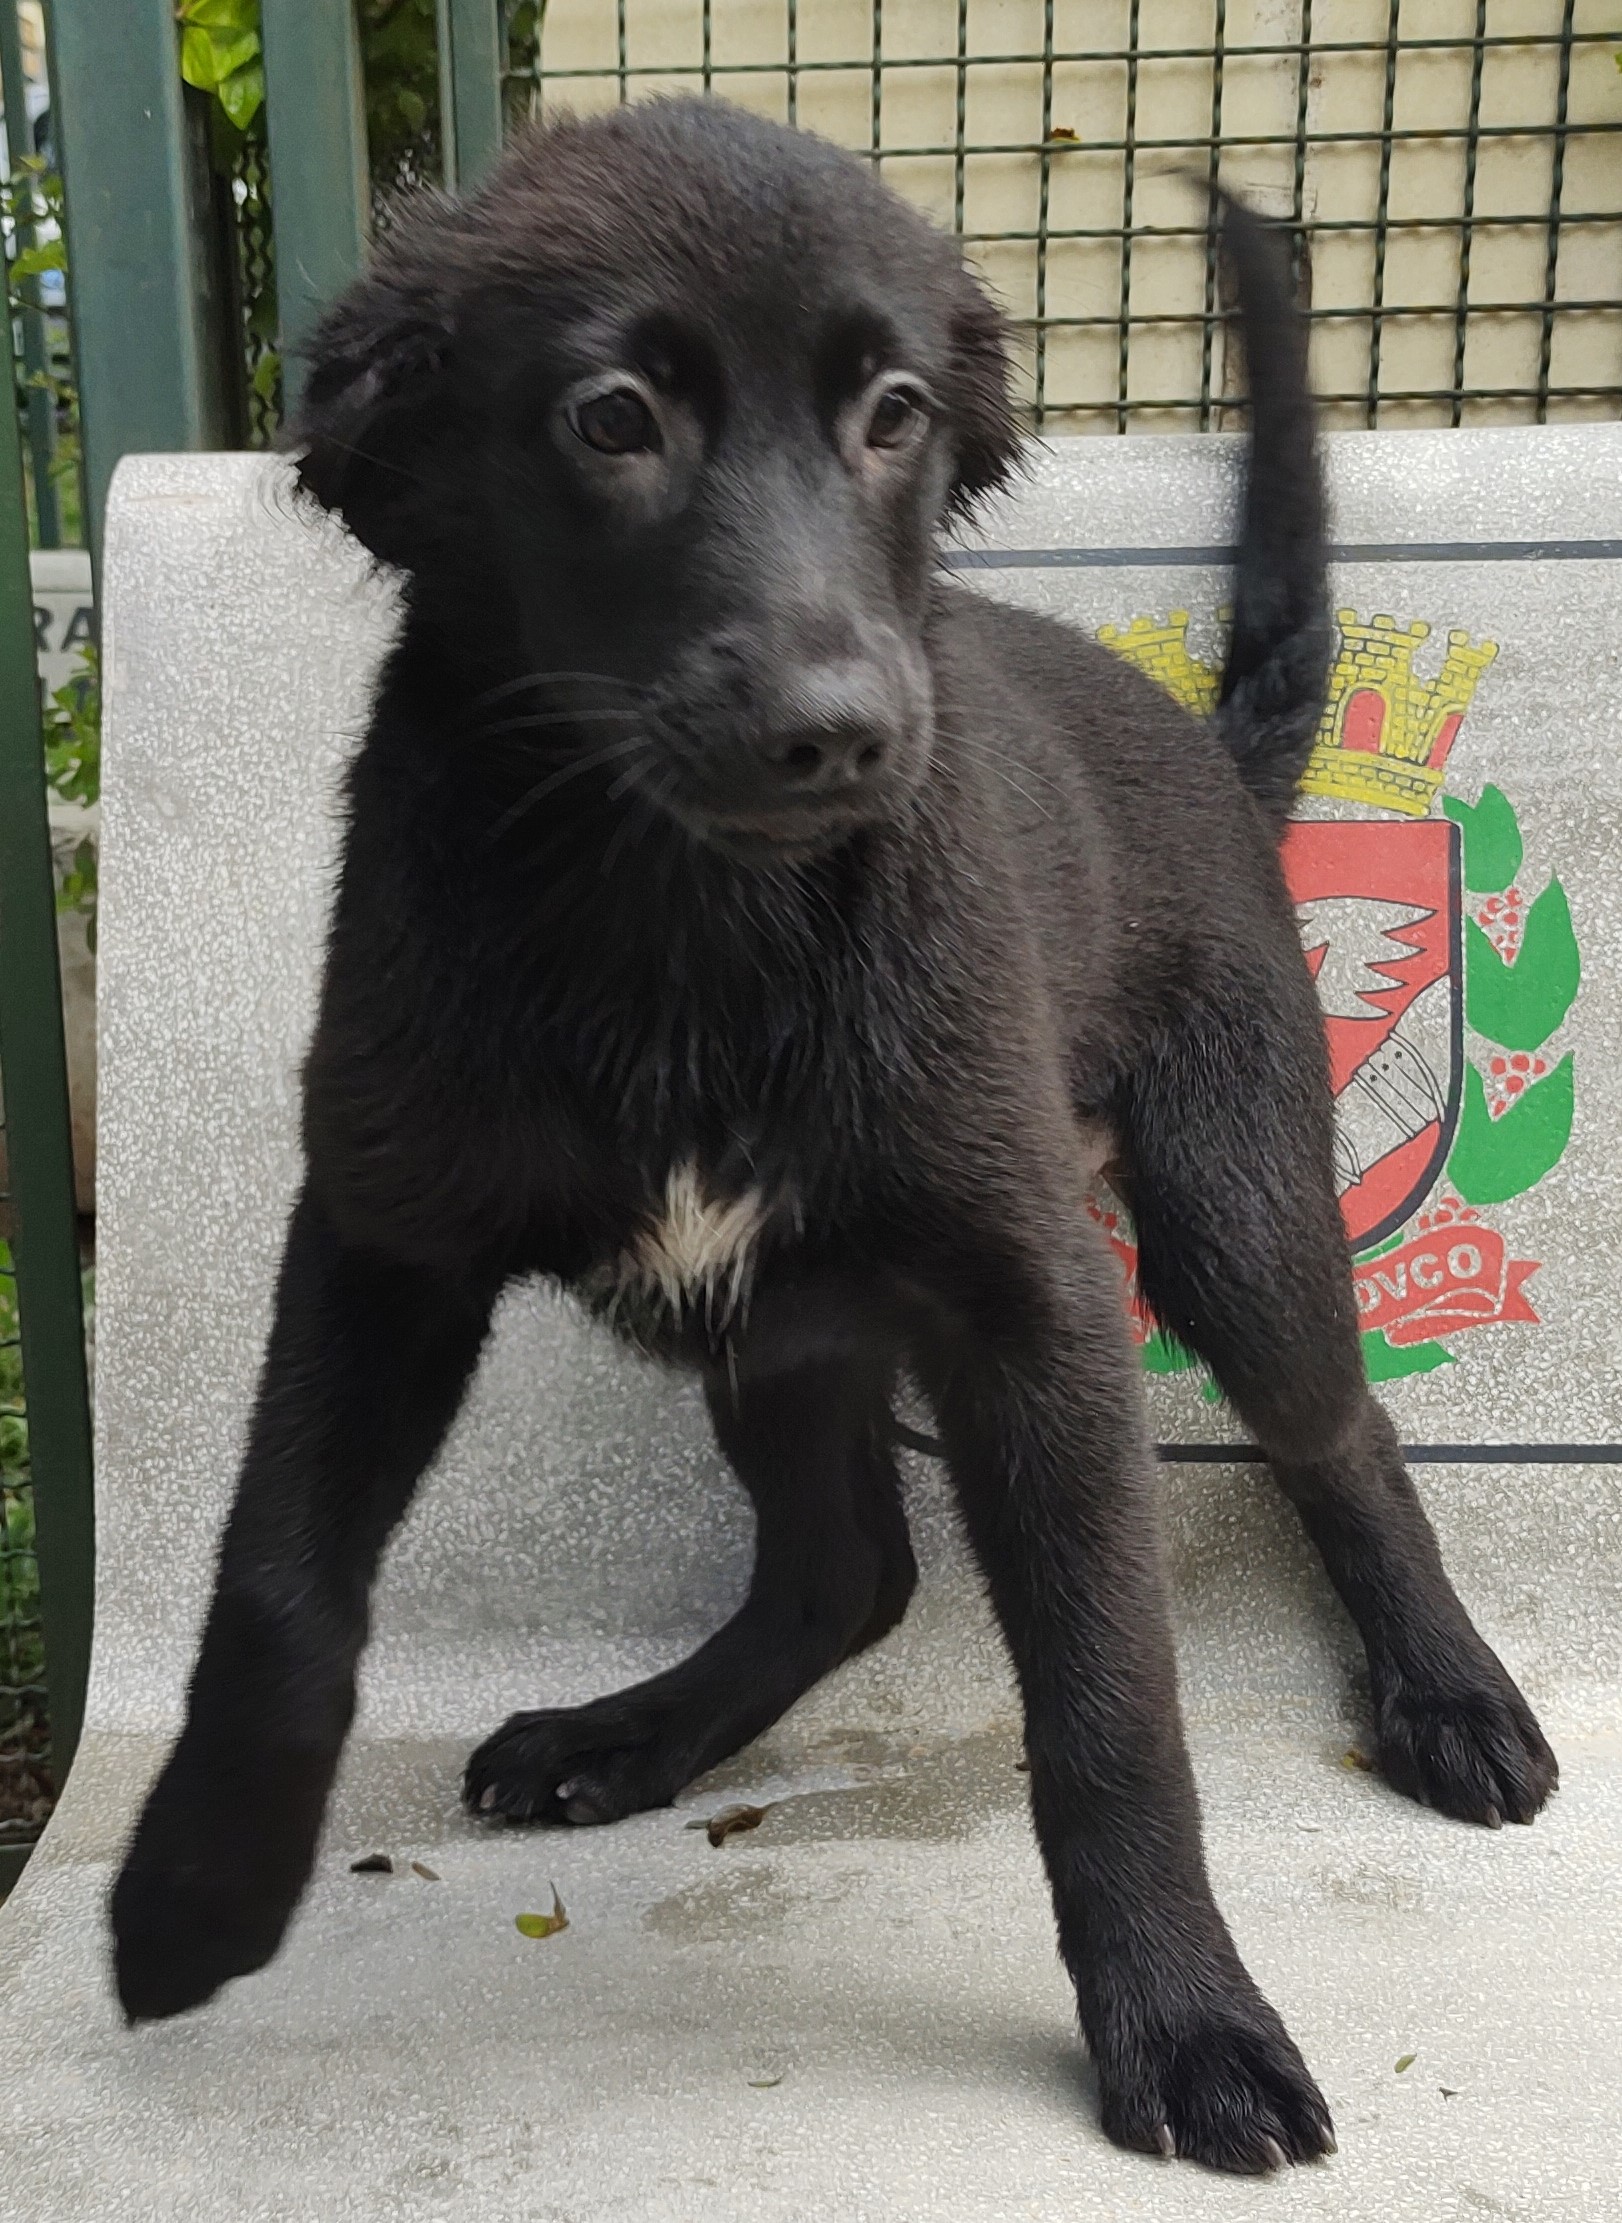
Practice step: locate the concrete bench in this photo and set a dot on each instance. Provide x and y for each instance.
(856, 2010)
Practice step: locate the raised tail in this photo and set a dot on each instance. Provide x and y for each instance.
(1273, 685)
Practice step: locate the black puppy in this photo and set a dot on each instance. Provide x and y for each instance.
(761, 936)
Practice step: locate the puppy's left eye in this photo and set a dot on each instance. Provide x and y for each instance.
(899, 415)
(616, 423)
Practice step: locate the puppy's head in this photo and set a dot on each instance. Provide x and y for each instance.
(680, 400)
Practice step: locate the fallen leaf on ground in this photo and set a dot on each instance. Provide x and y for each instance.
(1446, 2093)
(421, 1868)
(1064, 132)
(1023, 1766)
(1352, 1758)
(543, 1925)
(732, 1821)
(374, 1864)
(764, 2083)
(1406, 2061)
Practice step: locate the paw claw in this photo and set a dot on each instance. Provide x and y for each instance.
(584, 1765)
(1216, 2081)
(1473, 1750)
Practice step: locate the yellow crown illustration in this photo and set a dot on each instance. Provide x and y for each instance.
(1385, 734)
(1159, 646)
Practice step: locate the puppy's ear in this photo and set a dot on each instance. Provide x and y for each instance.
(988, 435)
(372, 417)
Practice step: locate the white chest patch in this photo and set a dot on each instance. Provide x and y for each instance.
(699, 1251)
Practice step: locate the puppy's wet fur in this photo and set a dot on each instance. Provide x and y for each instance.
(756, 932)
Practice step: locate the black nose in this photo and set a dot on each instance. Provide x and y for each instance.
(834, 726)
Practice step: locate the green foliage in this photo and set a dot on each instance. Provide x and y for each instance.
(220, 54)
(22, 1652)
(33, 262)
(13, 1426)
(31, 201)
(1520, 1005)
(73, 733)
(1492, 839)
(400, 57)
(73, 770)
(1492, 1159)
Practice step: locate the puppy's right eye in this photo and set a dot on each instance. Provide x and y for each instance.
(616, 423)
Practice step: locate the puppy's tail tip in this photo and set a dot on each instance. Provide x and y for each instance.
(1275, 680)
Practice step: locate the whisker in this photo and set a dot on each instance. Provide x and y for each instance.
(573, 770)
(548, 678)
(541, 718)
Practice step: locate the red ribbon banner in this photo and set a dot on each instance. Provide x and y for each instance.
(1455, 1277)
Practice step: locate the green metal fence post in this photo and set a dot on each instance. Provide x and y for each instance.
(470, 58)
(315, 107)
(41, 409)
(150, 321)
(44, 1241)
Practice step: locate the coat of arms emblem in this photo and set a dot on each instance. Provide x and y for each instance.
(1442, 988)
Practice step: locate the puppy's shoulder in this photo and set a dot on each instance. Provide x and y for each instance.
(1004, 646)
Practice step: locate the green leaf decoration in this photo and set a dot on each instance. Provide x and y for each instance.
(1492, 839)
(1163, 1354)
(1383, 1362)
(1520, 1005)
(1492, 1159)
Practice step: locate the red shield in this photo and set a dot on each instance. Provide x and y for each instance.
(1379, 908)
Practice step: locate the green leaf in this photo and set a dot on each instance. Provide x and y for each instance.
(243, 94)
(543, 1925)
(266, 372)
(1384, 1362)
(412, 107)
(1405, 2062)
(50, 254)
(1520, 1005)
(1492, 839)
(197, 60)
(221, 15)
(1492, 1159)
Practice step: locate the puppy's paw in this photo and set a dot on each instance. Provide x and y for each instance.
(1472, 1749)
(209, 1883)
(1220, 2083)
(579, 1764)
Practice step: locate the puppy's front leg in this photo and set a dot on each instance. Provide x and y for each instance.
(367, 1363)
(1045, 1431)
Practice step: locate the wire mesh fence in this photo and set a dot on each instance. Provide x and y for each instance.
(1448, 166)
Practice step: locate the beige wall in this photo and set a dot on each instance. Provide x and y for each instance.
(1002, 191)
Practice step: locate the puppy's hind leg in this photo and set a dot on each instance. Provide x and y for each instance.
(1242, 1255)
(833, 1573)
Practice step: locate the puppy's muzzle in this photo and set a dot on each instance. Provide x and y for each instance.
(835, 727)
(776, 751)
